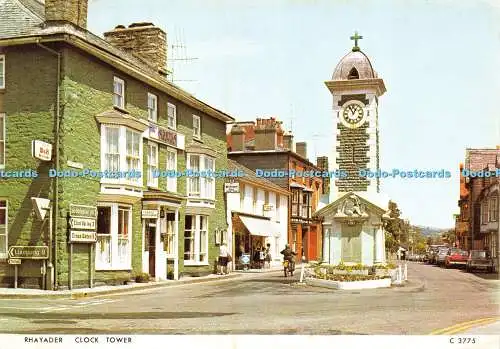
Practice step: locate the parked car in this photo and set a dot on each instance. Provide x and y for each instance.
(431, 255)
(456, 256)
(441, 255)
(479, 259)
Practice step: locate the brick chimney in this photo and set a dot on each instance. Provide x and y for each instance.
(238, 138)
(301, 149)
(288, 141)
(73, 11)
(266, 134)
(143, 40)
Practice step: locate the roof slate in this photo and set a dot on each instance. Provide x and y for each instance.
(233, 165)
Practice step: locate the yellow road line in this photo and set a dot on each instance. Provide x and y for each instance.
(464, 325)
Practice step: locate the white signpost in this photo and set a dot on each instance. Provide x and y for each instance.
(82, 223)
(41, 150)
(232, 187)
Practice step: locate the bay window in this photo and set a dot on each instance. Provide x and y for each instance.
(3, 229)
(113, 248)
(171, 166)
(493, 209)
(121, 150)
(484, 212)
(196, 240)
(152, 165)
(201, 182)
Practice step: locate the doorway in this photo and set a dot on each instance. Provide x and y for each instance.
(150, 241)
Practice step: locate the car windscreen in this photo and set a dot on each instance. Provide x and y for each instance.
(478, 254)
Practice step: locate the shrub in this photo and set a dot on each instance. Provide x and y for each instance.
(142, 277)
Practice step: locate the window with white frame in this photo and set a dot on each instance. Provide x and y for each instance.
(196, 127)
(171, 116)
(152, 107)
(111, 150)
(196, 240)
(2, 71)
(114, 244)
(494, 209)
(201, 182)
(277, 208)
(172, 166)
(208, 182)
(152, 165)
(121, 150)
(133, 153)
(484, 212)
(3, 229)
(169, 229)
(2, 140)
(124, 220)
(118, 93)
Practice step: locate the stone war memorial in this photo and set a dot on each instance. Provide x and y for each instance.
(353, 221)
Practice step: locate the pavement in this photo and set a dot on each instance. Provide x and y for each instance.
(24, 293)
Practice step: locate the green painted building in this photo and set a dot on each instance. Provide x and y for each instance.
(114, 131)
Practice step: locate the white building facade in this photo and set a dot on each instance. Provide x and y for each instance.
(257, 217)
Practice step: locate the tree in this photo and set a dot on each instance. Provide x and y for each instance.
(393, 228)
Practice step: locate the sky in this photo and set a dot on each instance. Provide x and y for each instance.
(439, 60)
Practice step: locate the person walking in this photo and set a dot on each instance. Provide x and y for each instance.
(224, 257)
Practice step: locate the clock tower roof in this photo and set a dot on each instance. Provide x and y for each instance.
(354, 65)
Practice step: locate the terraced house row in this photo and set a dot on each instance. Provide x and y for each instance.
(104, 104)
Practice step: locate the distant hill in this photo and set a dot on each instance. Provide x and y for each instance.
(431, 231)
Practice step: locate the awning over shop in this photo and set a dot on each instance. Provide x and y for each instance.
(259, 227)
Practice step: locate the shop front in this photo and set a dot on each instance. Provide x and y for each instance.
(160, 224)
(254, 239)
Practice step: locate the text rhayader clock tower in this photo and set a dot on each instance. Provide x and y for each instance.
(356, 89)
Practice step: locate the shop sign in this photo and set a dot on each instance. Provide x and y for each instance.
(83, 223)
(41, 150)
(82, 236)
(83, 211)
(268, 207)
(29, 252)
(163, 134)
(231, 187)
(149, 214)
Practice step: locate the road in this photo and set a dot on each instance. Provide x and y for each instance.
(265, 304)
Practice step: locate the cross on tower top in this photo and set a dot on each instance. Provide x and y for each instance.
(356, 37)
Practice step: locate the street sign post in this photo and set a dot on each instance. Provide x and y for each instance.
(29, 252)
(83, 230)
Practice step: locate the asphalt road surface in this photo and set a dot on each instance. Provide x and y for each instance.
(265, 304)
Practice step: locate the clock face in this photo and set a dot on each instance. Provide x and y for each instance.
(353, 115)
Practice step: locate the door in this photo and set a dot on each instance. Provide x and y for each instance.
(313, 244)
(351, 243)
(151, 240)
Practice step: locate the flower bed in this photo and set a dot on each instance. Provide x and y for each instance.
(349, 276)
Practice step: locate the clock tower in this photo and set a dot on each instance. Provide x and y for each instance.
(356, 89)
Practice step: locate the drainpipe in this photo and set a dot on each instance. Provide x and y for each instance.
(53, 247)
